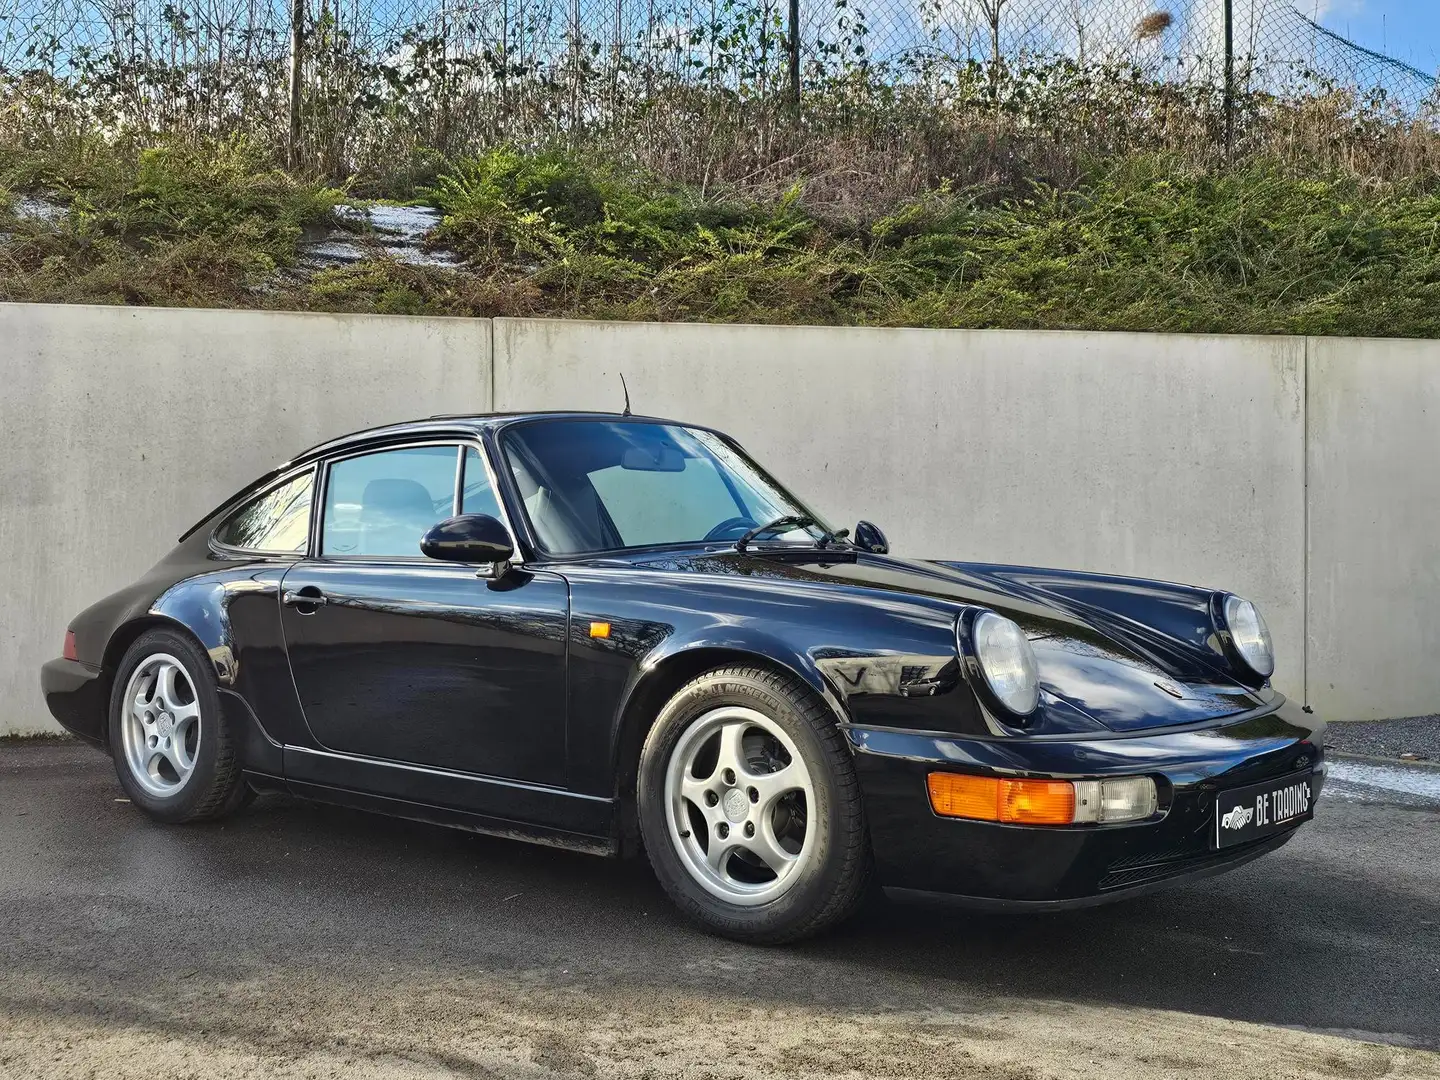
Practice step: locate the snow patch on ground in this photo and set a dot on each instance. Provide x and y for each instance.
(1363, 781)
(397, 231)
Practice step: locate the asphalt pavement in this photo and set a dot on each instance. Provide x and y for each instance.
(300, 940)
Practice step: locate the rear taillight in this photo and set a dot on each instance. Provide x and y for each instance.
(69, 652)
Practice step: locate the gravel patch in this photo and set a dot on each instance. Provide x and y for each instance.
(1414, 738)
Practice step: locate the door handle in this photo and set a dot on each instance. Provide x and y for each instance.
(301, 598)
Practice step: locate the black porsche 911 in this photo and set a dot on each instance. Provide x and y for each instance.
(617, 634)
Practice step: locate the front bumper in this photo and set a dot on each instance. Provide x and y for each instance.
(1028, 867)
(75, 695)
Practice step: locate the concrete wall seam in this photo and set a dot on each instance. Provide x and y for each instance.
(1303, 473)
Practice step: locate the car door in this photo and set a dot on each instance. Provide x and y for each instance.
(403, 659)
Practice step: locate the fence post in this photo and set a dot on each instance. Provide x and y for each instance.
(1229, 16)
(297, 57)
(792, 46)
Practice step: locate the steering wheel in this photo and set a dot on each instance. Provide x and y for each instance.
(739, 525)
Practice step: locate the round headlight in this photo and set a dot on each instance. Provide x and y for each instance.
(1250, 636)
(1007, 661)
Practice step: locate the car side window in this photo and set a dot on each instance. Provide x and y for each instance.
(383, 503)
(277, 522)
(476, 495)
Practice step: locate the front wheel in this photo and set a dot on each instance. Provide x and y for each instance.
(174, 751)
(750, 808)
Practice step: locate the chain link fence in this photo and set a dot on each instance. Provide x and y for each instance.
(527, 70)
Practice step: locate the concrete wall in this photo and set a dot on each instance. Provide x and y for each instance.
(1374, 544)
(1088, 451)
(123, 426)
(1097, 451)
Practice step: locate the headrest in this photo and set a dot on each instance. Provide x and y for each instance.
(406, 499)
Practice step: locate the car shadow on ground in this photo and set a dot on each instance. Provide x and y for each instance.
(1302, 938)
(1339, 930)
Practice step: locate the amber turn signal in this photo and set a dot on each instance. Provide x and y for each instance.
(992, 798)
(600, 629)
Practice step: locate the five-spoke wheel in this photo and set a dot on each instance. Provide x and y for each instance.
(737, 792)
(160, 730)
(750, 809)
(175, 752)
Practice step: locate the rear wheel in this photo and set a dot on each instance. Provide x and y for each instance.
(750, 809)
(174, 751)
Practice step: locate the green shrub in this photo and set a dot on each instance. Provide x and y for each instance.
(1144, 242)
(1135, 242)
(174, 223)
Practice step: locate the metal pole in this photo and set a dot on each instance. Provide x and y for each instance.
(577, 71)
(793, 45)
(505, 66)
(1229, 77)
(297, 56)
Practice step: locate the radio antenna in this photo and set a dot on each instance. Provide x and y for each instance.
(627, 394)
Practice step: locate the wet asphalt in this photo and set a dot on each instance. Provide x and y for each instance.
(1337, 932)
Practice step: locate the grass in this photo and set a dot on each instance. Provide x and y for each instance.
(171, 223)
(1137, 240)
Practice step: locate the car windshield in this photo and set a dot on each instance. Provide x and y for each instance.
(603, 485)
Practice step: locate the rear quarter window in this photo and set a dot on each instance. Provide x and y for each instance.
(277, 522)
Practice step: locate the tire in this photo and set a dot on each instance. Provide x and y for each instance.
(175, 754)
(763, 723)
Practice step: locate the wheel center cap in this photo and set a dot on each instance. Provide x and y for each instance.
(736, 804)
(166, 725)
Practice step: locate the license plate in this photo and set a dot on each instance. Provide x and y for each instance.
(1261, 810)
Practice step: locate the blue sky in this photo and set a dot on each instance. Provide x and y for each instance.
(1406, 29)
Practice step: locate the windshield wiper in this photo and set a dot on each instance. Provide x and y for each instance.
(798, 521)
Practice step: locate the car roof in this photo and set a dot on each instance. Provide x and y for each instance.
(457, 424)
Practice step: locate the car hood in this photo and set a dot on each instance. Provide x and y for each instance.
(1130, 653)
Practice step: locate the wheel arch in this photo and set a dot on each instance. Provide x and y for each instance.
(659, 680)
(124, 636)
(127, 633)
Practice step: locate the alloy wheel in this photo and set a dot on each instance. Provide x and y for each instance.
(738, 797)
(160, 728)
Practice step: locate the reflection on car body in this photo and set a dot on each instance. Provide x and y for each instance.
(404, 620)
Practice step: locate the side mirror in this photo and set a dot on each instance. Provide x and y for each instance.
(471, 538)
(868, 537)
